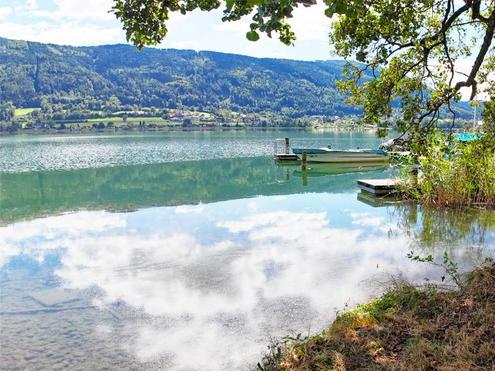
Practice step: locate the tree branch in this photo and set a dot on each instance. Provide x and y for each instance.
(487, 41)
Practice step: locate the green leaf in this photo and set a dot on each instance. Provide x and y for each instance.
(340, 7)
(252, 36)
(229, 4)
(361, 56)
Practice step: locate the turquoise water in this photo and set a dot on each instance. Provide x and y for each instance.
(194, 265)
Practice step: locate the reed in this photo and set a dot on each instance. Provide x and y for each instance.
(453, 174)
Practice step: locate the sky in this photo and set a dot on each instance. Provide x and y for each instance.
(88, 22)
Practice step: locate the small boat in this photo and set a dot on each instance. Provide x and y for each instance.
(342, 156)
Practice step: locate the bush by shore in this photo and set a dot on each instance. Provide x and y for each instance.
(407, 328)
(453, 173)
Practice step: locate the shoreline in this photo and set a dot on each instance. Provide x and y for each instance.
(134, 130)
(407, 327)
(178, 128)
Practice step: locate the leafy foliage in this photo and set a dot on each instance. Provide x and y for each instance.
(413, 49)
(7, 111)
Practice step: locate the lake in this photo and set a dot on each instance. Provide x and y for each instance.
(190, 250)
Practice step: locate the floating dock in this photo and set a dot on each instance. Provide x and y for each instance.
(286, 157)
(287, 154)
(378, 187)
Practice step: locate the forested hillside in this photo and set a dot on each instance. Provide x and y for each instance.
(88, 76)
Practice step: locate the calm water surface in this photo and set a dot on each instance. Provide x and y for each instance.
(182, 251)
(68, 152)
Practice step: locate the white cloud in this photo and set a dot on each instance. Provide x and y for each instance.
(70, 10)
(49, 234)
(308, 23)
(5, 12)
(241, 26)
(195, 285)
(218, 284)
(66, 33)
(311, 23)
(87, 9)
(75, 22)
(70, 23)
(190, 209)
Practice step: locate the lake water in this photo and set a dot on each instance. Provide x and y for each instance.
(189, 251)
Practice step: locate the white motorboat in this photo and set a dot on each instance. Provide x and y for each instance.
(342, 156)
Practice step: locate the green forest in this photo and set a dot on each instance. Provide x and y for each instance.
(88, 77)
(86, 82)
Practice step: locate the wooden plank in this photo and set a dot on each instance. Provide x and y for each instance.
(286, 157)
(379, 182)
(378, 186)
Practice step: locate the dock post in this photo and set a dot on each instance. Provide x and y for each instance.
(287, 146)
(305, 179)
(304, 167)
(414, 174)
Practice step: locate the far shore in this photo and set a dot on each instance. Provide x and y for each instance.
(180, 128)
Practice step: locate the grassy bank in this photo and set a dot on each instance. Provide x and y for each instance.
(407, 328)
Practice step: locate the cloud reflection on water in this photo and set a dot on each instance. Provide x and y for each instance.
(210, 301)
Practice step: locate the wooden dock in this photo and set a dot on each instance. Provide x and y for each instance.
(286, 157)
(378, 187)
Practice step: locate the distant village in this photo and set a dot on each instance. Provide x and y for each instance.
(32, 120)
(57, 119)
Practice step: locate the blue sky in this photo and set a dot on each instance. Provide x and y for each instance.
(87, 22)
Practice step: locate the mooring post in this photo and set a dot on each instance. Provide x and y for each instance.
(414, 175)
(305, 178)
(287, 147)
(304, 161)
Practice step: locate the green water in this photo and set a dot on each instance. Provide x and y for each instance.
(31, 194)
(43, 175)
(184, 251)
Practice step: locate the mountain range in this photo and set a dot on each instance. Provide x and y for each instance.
(31, 72)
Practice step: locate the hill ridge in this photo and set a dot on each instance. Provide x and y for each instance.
(168, 78)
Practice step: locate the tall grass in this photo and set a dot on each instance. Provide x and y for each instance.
(453, 174)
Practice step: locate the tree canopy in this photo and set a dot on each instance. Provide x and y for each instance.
(7, 111)
(414, 48)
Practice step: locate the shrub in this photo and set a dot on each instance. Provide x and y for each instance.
(454, 173)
